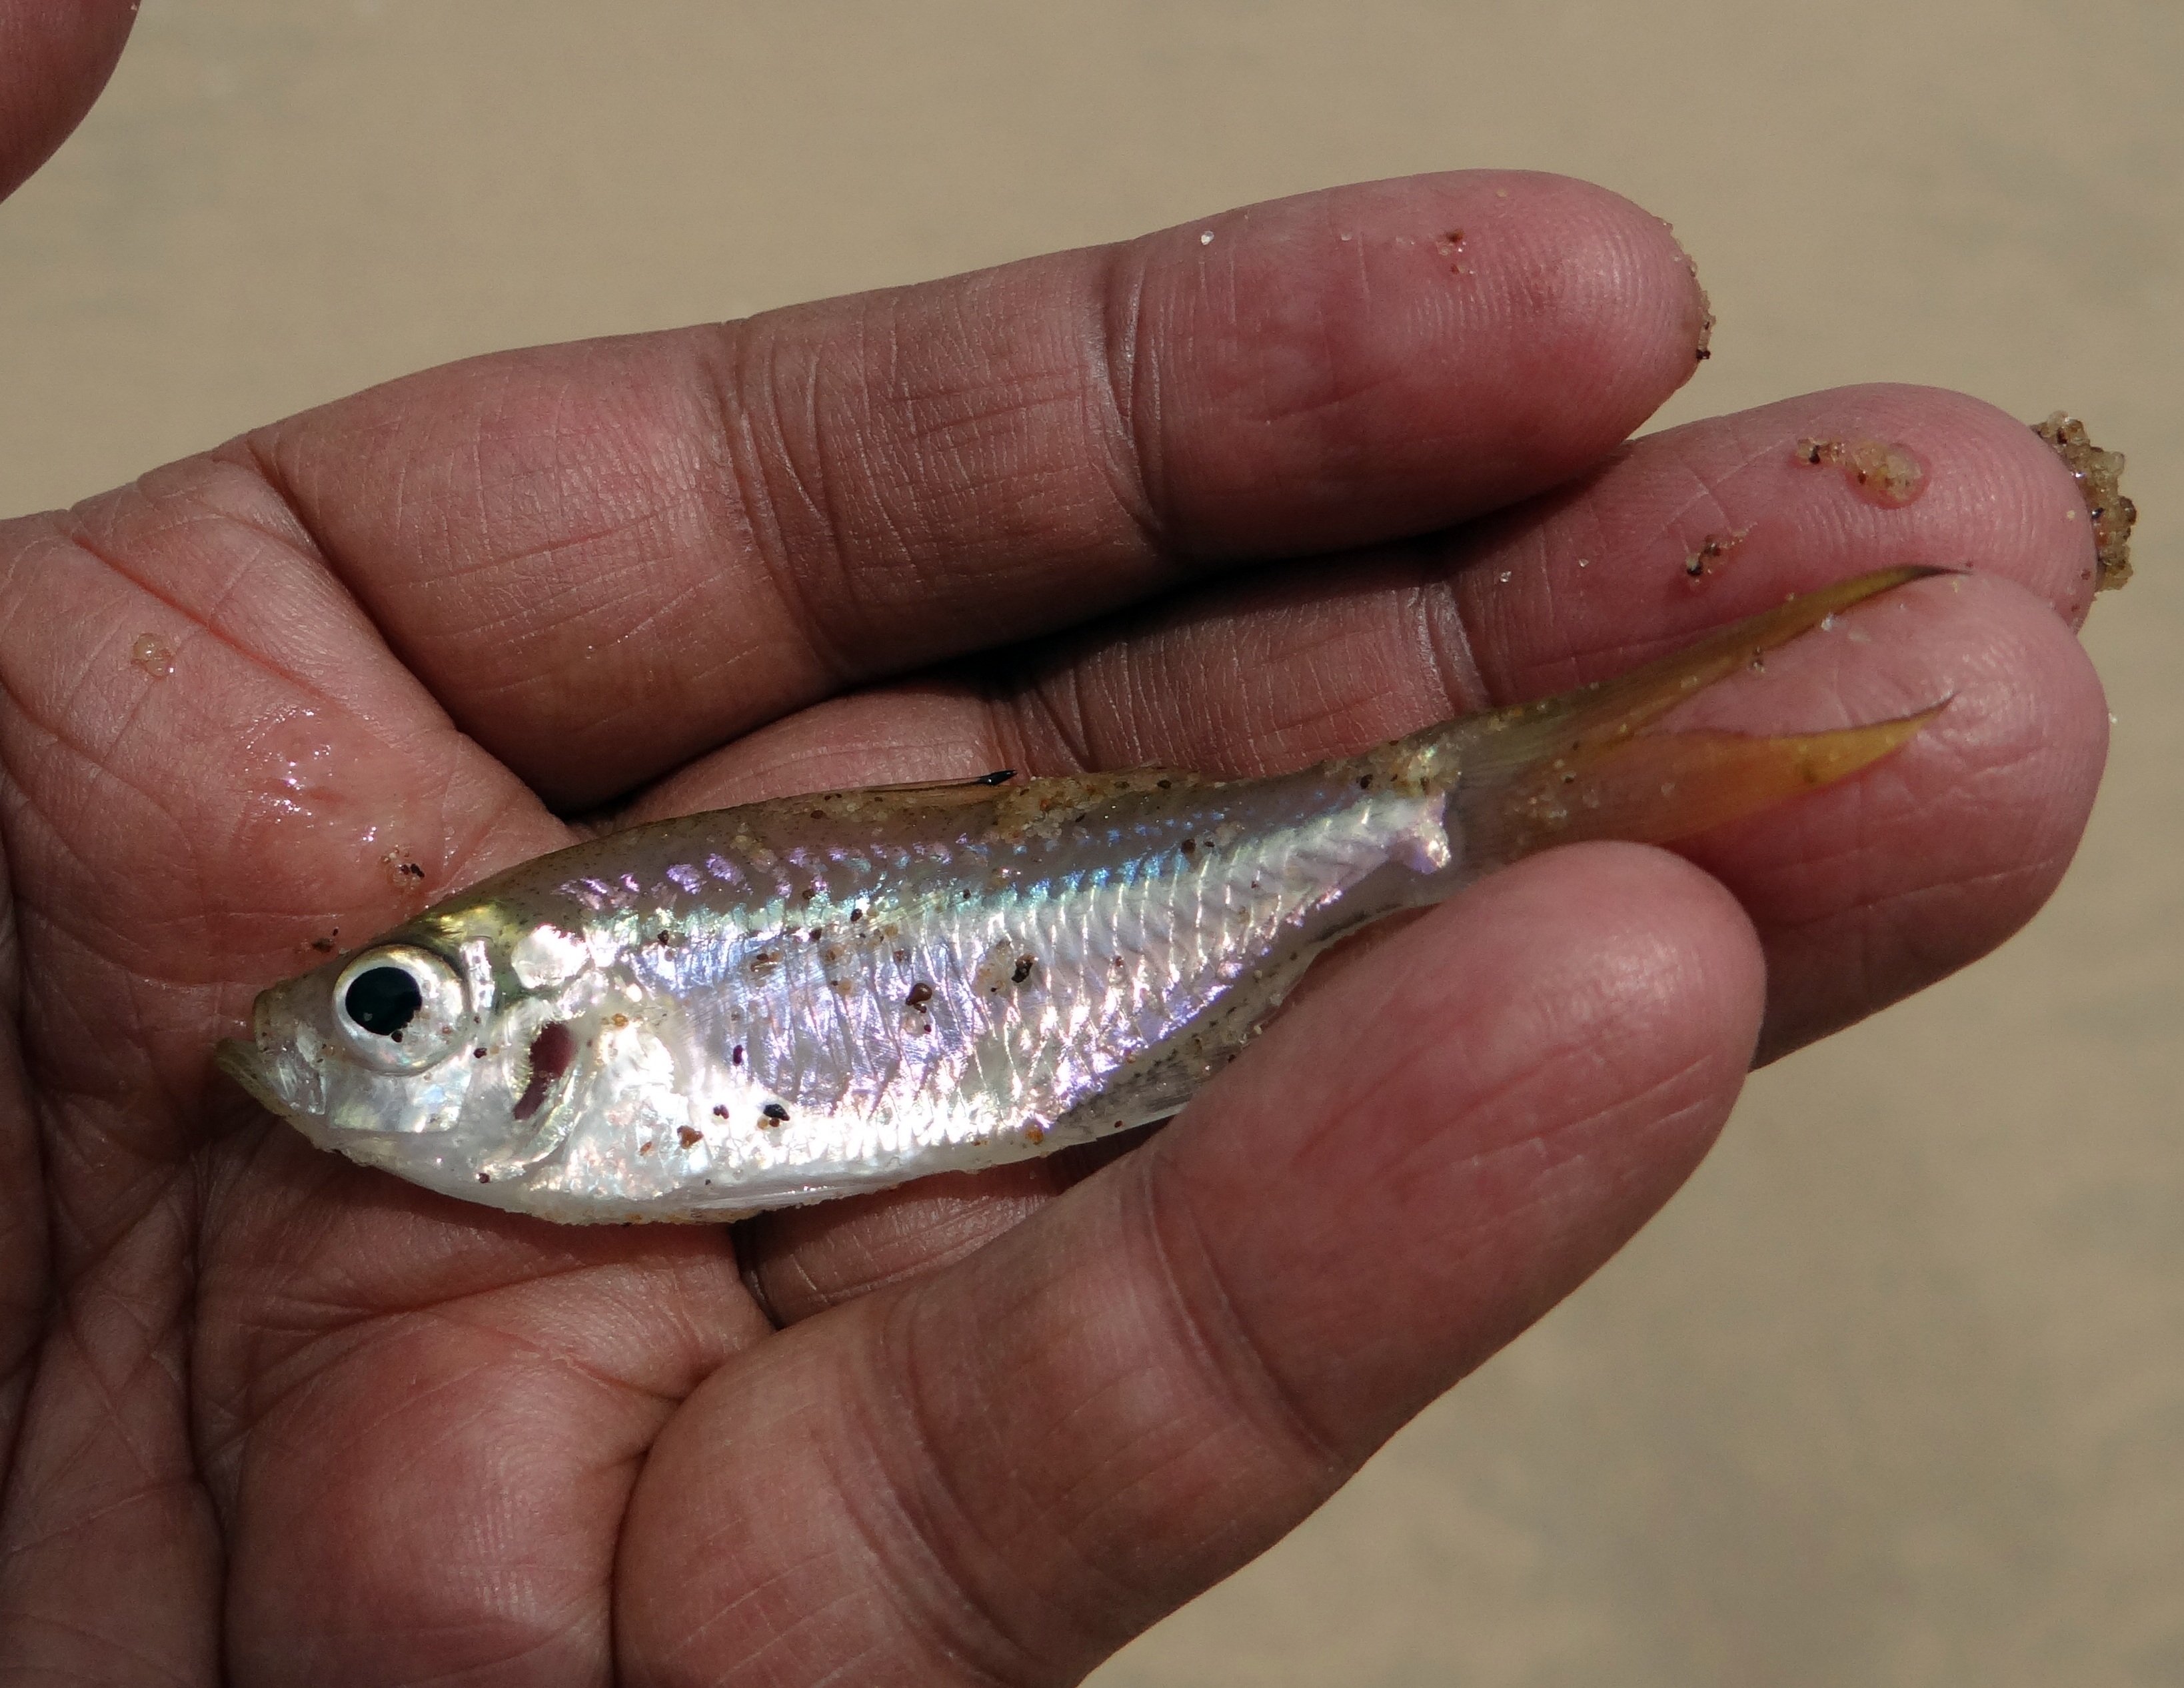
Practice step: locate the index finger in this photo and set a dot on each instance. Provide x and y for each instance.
(604, 558)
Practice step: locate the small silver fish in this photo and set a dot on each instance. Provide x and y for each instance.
(808, 998)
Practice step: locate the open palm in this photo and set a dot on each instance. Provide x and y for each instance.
(1235, 504)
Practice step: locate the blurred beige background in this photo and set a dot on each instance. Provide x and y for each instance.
(1894, 1392)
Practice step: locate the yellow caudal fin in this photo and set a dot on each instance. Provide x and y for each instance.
(1575, 766)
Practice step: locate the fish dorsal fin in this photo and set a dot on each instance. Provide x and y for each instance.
(982, 782)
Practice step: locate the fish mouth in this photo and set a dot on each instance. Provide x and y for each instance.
(243, 1063)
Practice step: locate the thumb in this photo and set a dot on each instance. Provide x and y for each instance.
(53, 61)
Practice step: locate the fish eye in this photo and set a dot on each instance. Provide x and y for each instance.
(399, 1008)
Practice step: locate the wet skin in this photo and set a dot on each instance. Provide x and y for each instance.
(1233, 506)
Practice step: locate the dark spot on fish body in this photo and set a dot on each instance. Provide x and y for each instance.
(720, 1111)
(774, 1114)
(325, 946)
(620, 1021)
(690, 1136)
(1190, 846)
(856, 915)
(477, 1055)
(736, 1057)
(920, 994)
(485, 1178)
(1023, 970)
(644, 1148)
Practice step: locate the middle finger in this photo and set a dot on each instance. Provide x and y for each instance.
(605, 558)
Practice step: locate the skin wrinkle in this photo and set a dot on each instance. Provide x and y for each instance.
(488, 1632)
(30, 1300)
(1552, 1170)
(259, 462)
(735, 1617)
(1843, 862)
(290, 535)
(76, 1294)
(897, 1543)
(528, 1280)
(1104, 1584)
(1874, 980)
(18, 1619)
(187, 1487)
(273, 1385)
(1134, 415)
(937, 434)
(1445, 645)
(258, 661)
(1218, 1337)
(57, 747)
(81, 1247)
(41, 926)
(753, 1276)
(179, 842)
(814, 482)
(66, 951)
(1064, 717)
(155, 1488)
(1089, 1635)
(419, 1395)
(518, 609)
(764, 514)
(576, 1625)
(566, 1362)
(926, 1450)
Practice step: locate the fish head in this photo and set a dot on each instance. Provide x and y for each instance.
(438, 1052)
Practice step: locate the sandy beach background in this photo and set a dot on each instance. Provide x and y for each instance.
(1893, 1393)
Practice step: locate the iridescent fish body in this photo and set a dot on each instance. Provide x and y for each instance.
(812, 997)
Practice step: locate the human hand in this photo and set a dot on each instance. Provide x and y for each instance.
(1232, 505)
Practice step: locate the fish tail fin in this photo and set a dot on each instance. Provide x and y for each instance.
(1574, 767)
